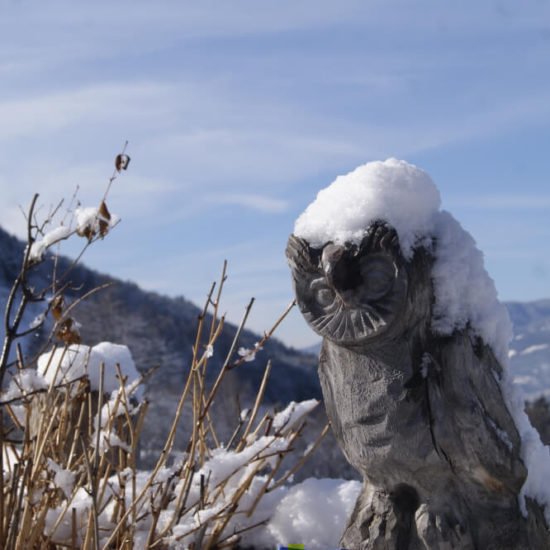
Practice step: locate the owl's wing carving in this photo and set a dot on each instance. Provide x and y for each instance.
(380, 238)
(300, 256)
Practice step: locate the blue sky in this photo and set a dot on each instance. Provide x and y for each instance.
(238, 112)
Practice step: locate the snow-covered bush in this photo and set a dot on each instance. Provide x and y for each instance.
(72, 417)
(74, 476)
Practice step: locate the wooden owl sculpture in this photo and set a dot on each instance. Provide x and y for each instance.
(420, 415)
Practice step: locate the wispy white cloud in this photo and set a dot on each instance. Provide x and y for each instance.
(505, 202)
(36, 115)
(232, 154)
(261, 203)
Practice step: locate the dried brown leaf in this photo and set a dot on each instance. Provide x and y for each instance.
(57, 307)
(121, 162)
(67, 332)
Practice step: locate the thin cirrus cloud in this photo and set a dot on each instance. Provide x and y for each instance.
(156, 103)
(261, 203)
(232, 154)
(502, 202)
(40, 114)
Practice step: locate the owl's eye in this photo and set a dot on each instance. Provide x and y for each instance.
(378, 274)
(324, 295)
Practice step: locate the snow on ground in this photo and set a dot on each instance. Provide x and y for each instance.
(465, 296)
(313, 513)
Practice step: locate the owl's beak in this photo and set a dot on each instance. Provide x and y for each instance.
(330, 258)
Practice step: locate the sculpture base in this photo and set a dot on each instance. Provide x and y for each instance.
(400, 521)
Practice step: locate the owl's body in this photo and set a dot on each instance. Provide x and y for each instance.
(420, 415)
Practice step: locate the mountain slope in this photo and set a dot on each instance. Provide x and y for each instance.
(160, 331)
(530, 348)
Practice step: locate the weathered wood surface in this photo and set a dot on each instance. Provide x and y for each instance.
(421, 416)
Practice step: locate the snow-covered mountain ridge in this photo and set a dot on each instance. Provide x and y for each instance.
(530, 348)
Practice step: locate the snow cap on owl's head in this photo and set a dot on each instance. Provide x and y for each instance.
(406, 198)
(393, 191)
